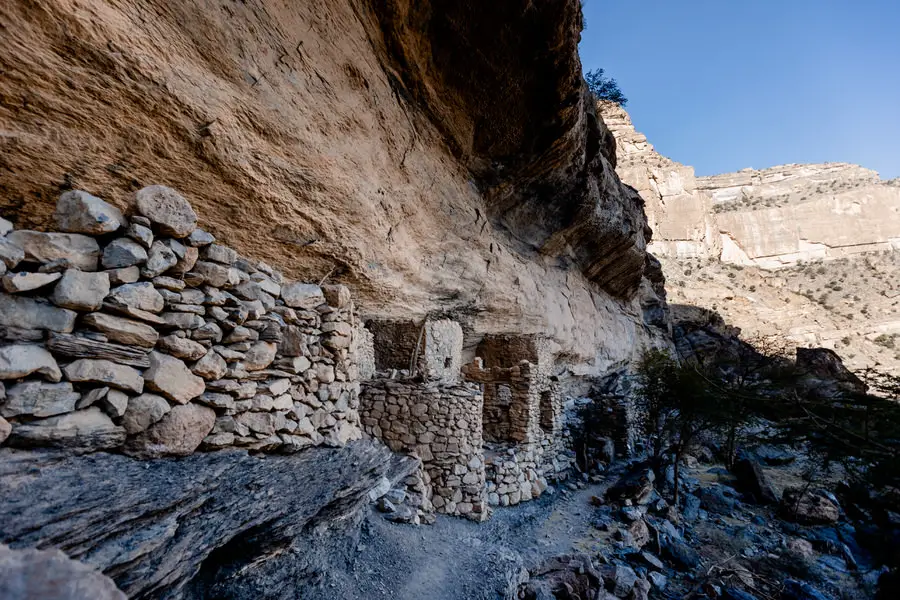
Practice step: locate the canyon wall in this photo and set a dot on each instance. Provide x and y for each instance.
(680, 214)
(392, 158)
(792, 213)
(768, 218)
(800, 252)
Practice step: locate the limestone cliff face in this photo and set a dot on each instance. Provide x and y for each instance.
(438, 157)
(680, 214)
(770, 218)
(792, 251)
(792, 213)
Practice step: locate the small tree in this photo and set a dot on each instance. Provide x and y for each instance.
(678, 404)
(604, 88)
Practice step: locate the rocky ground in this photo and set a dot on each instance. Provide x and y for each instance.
(850, 305)
(617, 529)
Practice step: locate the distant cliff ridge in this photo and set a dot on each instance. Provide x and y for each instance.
(794, 251)
(769, 218)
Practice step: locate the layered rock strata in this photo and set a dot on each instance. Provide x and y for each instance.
(680, 213)
(211, 525)
(798, 213)
(768, 218)
(393, 158)
(141, 334)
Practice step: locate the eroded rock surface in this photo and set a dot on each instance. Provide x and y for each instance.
(220, 524)
(394, 156)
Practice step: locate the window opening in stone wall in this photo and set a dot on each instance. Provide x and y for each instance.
(496, 418)
(546, 409)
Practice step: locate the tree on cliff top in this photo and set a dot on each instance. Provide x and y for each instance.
(605, 88)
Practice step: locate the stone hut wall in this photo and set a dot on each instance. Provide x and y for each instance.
(395, 343)
(432, 347)
(143, 335)
(526, 441)
(441, 424)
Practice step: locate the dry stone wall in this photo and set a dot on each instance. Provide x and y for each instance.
(526, 439)
(439, 423)
(141, 334)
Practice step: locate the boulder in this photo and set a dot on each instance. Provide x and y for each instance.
(182, 348)
(169, 283)
(124, 331)
(216, 400)
(733, 593)
(640, 533)
(257, 422)
(199, 238)
(160, 259)
(179, 433)
(81, 251)
(302, 295)
(142, 234)
(121, 377)
(5, 429)
(812, 507)
(171, 378)
(123, 252)
(80, 212)
(337, 296)
(773, 456)
(80, 290)
(800, 590)
(92, 396)
(680, 554)
(21, 360)
(143, 411)
(167, 210)
(39, 399)
(142, 296)
(185, 263)
(181, 320)
(28, 313)
(88, 430)
(636, 486)
(114, 403)
(16, 283)
(29, 573)
(217, 275)
(124, 275)
(159, 525)
(11, 254)
(715, 500)
(753, 482)
(211, 366)
(259, 356)
(220, 254)
(619, 580)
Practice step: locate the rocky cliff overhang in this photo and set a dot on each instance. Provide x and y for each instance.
(503, 84)
(440, 158)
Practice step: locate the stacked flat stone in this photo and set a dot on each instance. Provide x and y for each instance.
(513, 474)
(142, 334)
(441, 424)
(526, 443)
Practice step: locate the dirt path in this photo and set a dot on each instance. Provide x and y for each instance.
(455, 559)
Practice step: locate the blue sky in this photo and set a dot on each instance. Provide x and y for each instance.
(728, 84)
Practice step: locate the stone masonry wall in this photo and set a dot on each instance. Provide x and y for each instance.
(433, 347)
(141, 334)
(525, 436)
(441, 424)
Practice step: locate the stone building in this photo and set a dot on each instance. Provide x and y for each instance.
(489, 433)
